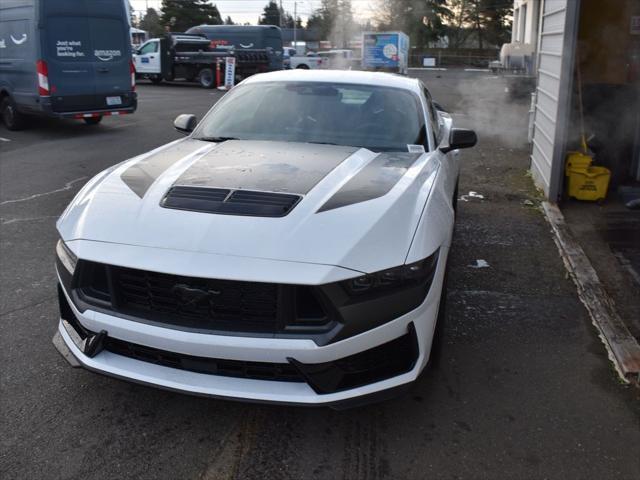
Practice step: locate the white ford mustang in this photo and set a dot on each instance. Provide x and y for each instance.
(292, 248)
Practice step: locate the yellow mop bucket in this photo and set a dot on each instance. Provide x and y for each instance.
(585, 182)
(577, 160)
(588, 183)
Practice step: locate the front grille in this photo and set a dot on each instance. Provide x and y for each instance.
(280, 372)
(198, 302)
(252, 57)
(203, 304)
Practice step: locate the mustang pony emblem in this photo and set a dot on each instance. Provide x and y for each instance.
(192, 295)
(19, 41)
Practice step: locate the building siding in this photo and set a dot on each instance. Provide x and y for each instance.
(548, 92)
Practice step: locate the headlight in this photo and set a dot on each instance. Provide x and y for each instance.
(404, 276)
(66, 257)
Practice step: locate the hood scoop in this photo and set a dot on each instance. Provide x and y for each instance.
(230, 202)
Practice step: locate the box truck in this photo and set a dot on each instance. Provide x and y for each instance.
(385, 51)
(65, 59)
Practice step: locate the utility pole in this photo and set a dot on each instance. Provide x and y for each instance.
(280, 15)
(295, 25)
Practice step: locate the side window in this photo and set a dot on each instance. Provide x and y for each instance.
(151, 47)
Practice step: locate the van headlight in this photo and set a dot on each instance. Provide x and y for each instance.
(66, 257)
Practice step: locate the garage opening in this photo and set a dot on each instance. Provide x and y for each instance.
(607, 69)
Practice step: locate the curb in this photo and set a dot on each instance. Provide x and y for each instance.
(622, 347)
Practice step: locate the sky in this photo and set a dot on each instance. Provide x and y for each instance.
(242, 11)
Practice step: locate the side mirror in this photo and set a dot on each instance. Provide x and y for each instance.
(460, 138)
(185, 123)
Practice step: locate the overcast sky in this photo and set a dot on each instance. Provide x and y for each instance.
(242, 11)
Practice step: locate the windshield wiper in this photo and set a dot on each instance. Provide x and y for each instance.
(216, 139)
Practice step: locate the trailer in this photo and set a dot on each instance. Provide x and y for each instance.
(385, 51)
(175, 56)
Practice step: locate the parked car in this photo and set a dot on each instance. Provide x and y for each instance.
(292, 248)
(310, 61)
(339, 59)
(64, 59)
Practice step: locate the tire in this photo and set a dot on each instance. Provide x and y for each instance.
(155, 79)
(92, 120)
(302, 66)
(206, 78)
(11, 117)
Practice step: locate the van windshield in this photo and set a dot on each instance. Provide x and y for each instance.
(377, 118)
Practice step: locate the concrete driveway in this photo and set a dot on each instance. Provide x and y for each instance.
(523, 389)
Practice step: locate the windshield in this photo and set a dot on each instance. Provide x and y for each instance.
(377, 118)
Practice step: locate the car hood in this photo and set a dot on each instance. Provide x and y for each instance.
(357, 209)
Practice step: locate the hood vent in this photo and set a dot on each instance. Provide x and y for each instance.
(230, 202)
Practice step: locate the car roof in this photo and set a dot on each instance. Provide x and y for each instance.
(354, 77)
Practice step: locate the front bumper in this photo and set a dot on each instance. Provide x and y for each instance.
(313, 362)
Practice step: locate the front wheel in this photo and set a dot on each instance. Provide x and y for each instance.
(12, 118)
(206, 78)
(155, 79)
(92, 120)
(302, 67)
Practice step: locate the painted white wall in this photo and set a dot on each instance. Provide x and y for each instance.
(526, 18)
(555, 58)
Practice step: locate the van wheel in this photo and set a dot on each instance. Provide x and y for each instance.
(302, 66)
(155, 79)
(206, 78)
(12, 118)
(92, 120)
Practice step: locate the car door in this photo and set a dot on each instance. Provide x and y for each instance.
(147, 60)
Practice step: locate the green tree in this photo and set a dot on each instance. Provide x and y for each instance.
(151, 23)
(228, 21)
(496, 16)
(334, 20)
(323, 18)
(423, 20)
(488, 20)
(180, 15)
(271, 15)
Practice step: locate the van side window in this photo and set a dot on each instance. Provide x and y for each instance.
(151, 47)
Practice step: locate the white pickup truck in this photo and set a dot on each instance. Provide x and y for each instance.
(291, 59)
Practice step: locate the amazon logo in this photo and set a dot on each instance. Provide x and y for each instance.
(107, 55)
(19, 41)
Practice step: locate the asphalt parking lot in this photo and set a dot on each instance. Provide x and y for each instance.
(524, 388)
